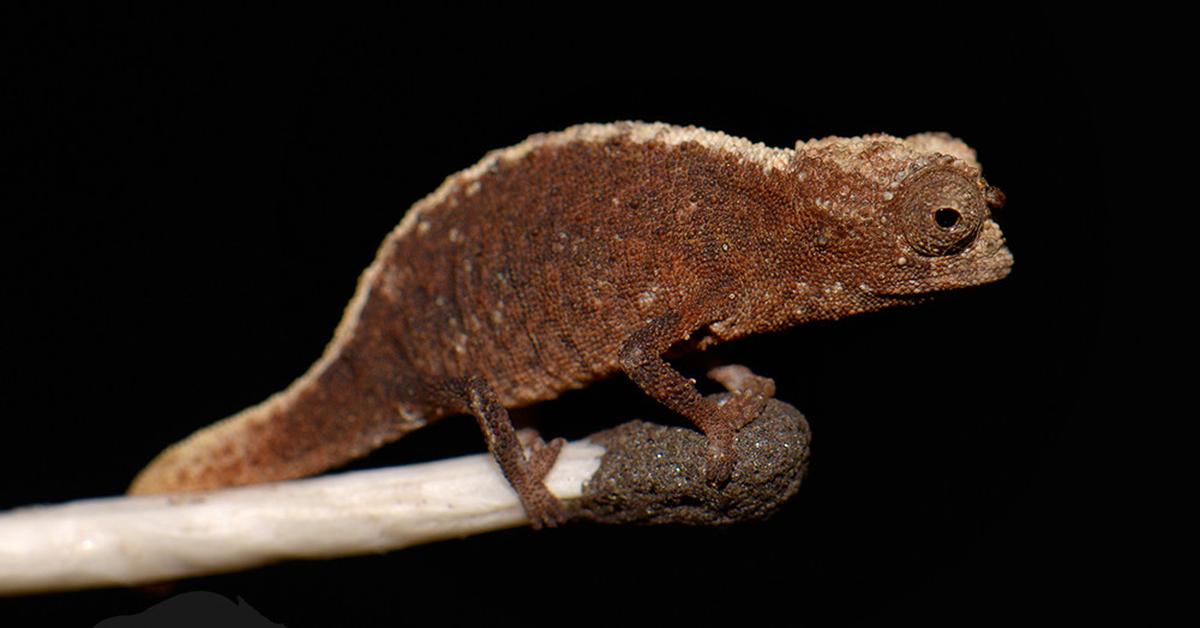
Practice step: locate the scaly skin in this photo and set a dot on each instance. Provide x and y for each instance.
(584, 253)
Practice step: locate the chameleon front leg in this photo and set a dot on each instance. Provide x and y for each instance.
(473, 395)
(641, 359)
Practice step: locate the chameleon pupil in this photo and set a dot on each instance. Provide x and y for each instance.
(946, 217)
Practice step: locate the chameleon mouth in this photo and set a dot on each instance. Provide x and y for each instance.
(994, 267)
(982, 264)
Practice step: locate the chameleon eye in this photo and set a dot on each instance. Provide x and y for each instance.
(941, 212)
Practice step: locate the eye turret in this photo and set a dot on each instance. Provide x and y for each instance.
(940, 212)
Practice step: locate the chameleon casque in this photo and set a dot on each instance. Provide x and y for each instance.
(592, 251)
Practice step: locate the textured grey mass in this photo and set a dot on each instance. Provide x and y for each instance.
(656, 474)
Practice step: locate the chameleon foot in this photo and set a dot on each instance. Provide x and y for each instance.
(748, 397)
(543, 508)
(541, 454)
(749, 392)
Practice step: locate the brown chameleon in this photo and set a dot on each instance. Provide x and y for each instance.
(576, 255)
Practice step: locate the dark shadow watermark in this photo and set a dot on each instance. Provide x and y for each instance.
(195, 608)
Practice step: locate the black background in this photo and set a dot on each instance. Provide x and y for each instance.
(190, 198)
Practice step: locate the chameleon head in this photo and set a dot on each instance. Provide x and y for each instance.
(942, 234)
(904, 218)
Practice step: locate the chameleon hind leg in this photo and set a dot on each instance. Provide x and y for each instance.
(526, 474)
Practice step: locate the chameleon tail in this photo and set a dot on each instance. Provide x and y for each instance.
(315, 424)
(347, 404)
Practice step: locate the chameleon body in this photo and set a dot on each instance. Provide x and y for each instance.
(577, 255)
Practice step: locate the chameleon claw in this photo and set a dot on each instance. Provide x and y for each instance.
(551, 514)
(720, 458)
(748, 396)
(739, 379)
(542, 456)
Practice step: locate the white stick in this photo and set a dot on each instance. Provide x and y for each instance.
(649, 474)
(123, 541)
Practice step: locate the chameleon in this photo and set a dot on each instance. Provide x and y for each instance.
(594, 251)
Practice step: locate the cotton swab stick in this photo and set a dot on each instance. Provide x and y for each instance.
(635, 473)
